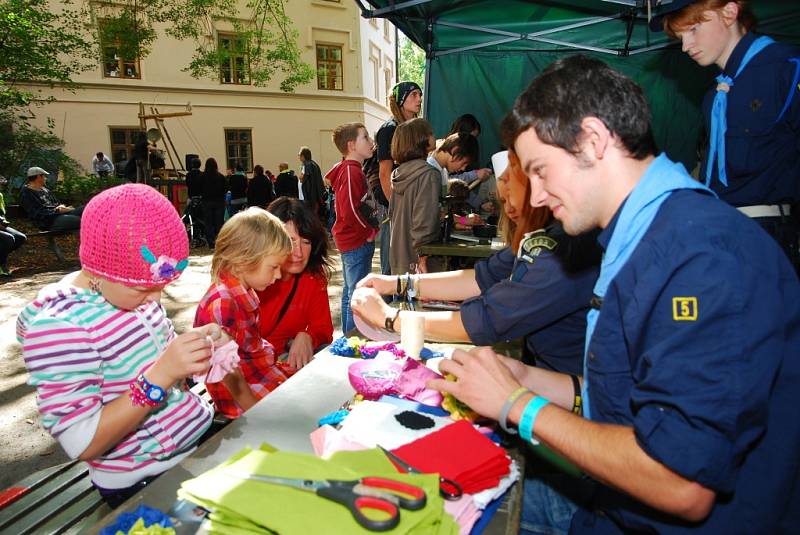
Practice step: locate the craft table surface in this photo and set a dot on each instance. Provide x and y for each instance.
(283, 419)
(455, 248)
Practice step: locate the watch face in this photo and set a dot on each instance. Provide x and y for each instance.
(155, 393)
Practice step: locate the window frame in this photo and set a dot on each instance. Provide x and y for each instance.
(131, 133)
(233, 37)
(327, 62)
(121, 62)
(232, 161)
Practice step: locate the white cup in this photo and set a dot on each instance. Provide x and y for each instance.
(499, 162)
(412, 333)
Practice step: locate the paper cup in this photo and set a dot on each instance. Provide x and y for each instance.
(412, 333)
(499, 162)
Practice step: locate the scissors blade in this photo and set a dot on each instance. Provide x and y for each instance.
(398, 461)
(310, 485)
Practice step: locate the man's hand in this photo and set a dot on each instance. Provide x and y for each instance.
(301, 352)
(483, 381)
(369, 305)
(383, 284)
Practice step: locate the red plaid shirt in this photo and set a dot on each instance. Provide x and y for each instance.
(228, 304)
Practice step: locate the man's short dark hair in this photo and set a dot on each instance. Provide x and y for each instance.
(100, 155)
(461, 145)
(305, 152)
(576, 87)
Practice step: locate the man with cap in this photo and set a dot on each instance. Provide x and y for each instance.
(405, 102)
(752, 114)
(688, 394)
(43, 208)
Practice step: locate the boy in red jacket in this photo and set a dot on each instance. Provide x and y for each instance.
(353, 234)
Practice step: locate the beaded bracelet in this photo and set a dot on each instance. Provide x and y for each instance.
(503, 421)
(138, 397)
(529, 417)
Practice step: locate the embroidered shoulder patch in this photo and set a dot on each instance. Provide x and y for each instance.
(533, 245)
(684, 308)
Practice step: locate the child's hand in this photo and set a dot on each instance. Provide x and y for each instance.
(216, 333)
(187, 354)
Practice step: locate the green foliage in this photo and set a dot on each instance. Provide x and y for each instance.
(39, 45)
(411, 61)
(78, 189)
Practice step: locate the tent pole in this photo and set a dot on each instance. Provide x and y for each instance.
(428, 57)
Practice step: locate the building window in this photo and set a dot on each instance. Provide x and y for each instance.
(388, 74)
(375, 63)
(123, 138)
(234, 68)
(387, 30)
(115, 64)
(239, 148)
(329, 67)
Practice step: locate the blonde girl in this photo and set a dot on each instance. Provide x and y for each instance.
(250, 249)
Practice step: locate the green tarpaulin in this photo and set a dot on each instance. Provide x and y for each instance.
(482, 53)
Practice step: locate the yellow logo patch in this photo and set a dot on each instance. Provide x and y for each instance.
(684, 308)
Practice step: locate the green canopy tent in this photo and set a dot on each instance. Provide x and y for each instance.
(482, 53)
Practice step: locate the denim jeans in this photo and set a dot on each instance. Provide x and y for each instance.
(385, 235)
(68, 220)
(546, 509)
(356, 265)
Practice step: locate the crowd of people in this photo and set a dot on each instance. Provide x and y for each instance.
(660, 313)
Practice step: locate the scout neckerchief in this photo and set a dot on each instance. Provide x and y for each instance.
(661, 178)
(719, 111)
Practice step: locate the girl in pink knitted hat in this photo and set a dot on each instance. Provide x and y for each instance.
(249, 252)
(104, 358)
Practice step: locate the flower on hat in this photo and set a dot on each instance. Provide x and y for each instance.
(164, 267)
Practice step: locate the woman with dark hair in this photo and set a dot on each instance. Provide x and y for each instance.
(260, 191)
(466, 123)
(294, 313)
(215, 186)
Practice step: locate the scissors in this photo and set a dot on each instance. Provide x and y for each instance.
(449, 489)
(358, 495)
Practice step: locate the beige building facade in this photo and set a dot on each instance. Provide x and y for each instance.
(232, 120)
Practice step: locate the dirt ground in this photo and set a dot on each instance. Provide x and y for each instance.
(25, 447)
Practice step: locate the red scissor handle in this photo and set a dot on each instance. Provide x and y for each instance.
(409, 496)
(359, 505)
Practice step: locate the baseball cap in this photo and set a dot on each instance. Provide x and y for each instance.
(657, 22)
(36, 171)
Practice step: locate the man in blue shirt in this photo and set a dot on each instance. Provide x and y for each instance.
(693, 352)
(753, 161)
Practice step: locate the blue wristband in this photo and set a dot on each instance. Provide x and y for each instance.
(529, 417)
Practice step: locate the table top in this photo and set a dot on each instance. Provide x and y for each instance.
(455, 248)
(284, 419)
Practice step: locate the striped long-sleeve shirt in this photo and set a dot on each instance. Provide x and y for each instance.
(82, 353)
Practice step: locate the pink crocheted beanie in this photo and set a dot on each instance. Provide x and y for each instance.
(132, 234)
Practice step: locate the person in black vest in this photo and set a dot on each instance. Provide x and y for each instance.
(311, 180)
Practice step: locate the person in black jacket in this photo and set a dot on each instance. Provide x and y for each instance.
(311, 178)
(260, 192)
(43, 208)
(215, 186)
(286, 183)
(237, 183)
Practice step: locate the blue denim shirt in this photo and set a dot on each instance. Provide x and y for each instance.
(763, 156)
(697, 348)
